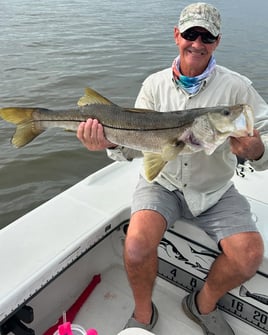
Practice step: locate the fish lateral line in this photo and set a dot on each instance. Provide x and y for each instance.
(102, 123)
(138, 129)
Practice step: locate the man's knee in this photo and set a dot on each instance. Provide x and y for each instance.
(245, 251)
(251, 262)
(136, 248)
(143, 236)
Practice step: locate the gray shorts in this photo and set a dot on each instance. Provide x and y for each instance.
(230, 215)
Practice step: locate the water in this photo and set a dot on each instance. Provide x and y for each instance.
(51, 50)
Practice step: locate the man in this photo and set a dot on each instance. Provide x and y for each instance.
(195, 186)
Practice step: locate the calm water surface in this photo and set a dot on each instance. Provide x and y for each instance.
(51, 50)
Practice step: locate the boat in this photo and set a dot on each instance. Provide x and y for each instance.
(65, 258)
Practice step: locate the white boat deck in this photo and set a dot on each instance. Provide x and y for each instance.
(43, 244)
(111, 304)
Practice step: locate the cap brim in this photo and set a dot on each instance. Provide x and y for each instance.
(199, 23)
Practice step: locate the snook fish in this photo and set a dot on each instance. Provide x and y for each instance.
(160, 136)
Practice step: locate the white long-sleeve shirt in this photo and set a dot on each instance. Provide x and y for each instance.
(202, 178)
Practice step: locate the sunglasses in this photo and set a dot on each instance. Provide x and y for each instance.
(206, 37)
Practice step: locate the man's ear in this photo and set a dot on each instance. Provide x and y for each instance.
(176, 35)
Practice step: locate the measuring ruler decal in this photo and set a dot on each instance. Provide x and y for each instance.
(177, 273)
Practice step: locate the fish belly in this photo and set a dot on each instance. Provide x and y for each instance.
(151, 141)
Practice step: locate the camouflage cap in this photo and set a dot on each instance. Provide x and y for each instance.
(200, 14)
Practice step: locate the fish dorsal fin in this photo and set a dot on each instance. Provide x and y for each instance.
(153, 164)
(93, 97)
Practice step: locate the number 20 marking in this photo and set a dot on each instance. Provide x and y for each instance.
(262, 318)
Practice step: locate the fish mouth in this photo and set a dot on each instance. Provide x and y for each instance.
(239, 121)
(243, 124)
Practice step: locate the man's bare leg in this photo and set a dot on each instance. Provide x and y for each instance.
(242, 255)
(144, 234)
(239, 261)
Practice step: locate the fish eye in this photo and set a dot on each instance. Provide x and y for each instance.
(226, 112)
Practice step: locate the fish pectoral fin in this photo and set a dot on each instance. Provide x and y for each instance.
(93, 97)
(26, 129)
(153, 164)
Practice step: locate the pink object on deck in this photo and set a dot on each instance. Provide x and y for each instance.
(65, 329)
(92, 332)
(71, 313)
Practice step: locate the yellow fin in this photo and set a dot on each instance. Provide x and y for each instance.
(24, 134)
(93, 97)
(170, 151)
(153, 164)
(22, 117)
(16, 115)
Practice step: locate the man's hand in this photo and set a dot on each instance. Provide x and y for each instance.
(91, 134)
(248, 147)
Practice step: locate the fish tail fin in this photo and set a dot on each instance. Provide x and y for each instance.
(243, 292)
(26, 129)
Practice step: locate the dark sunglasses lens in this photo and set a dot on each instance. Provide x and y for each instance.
(208, 38)
(191, 35)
